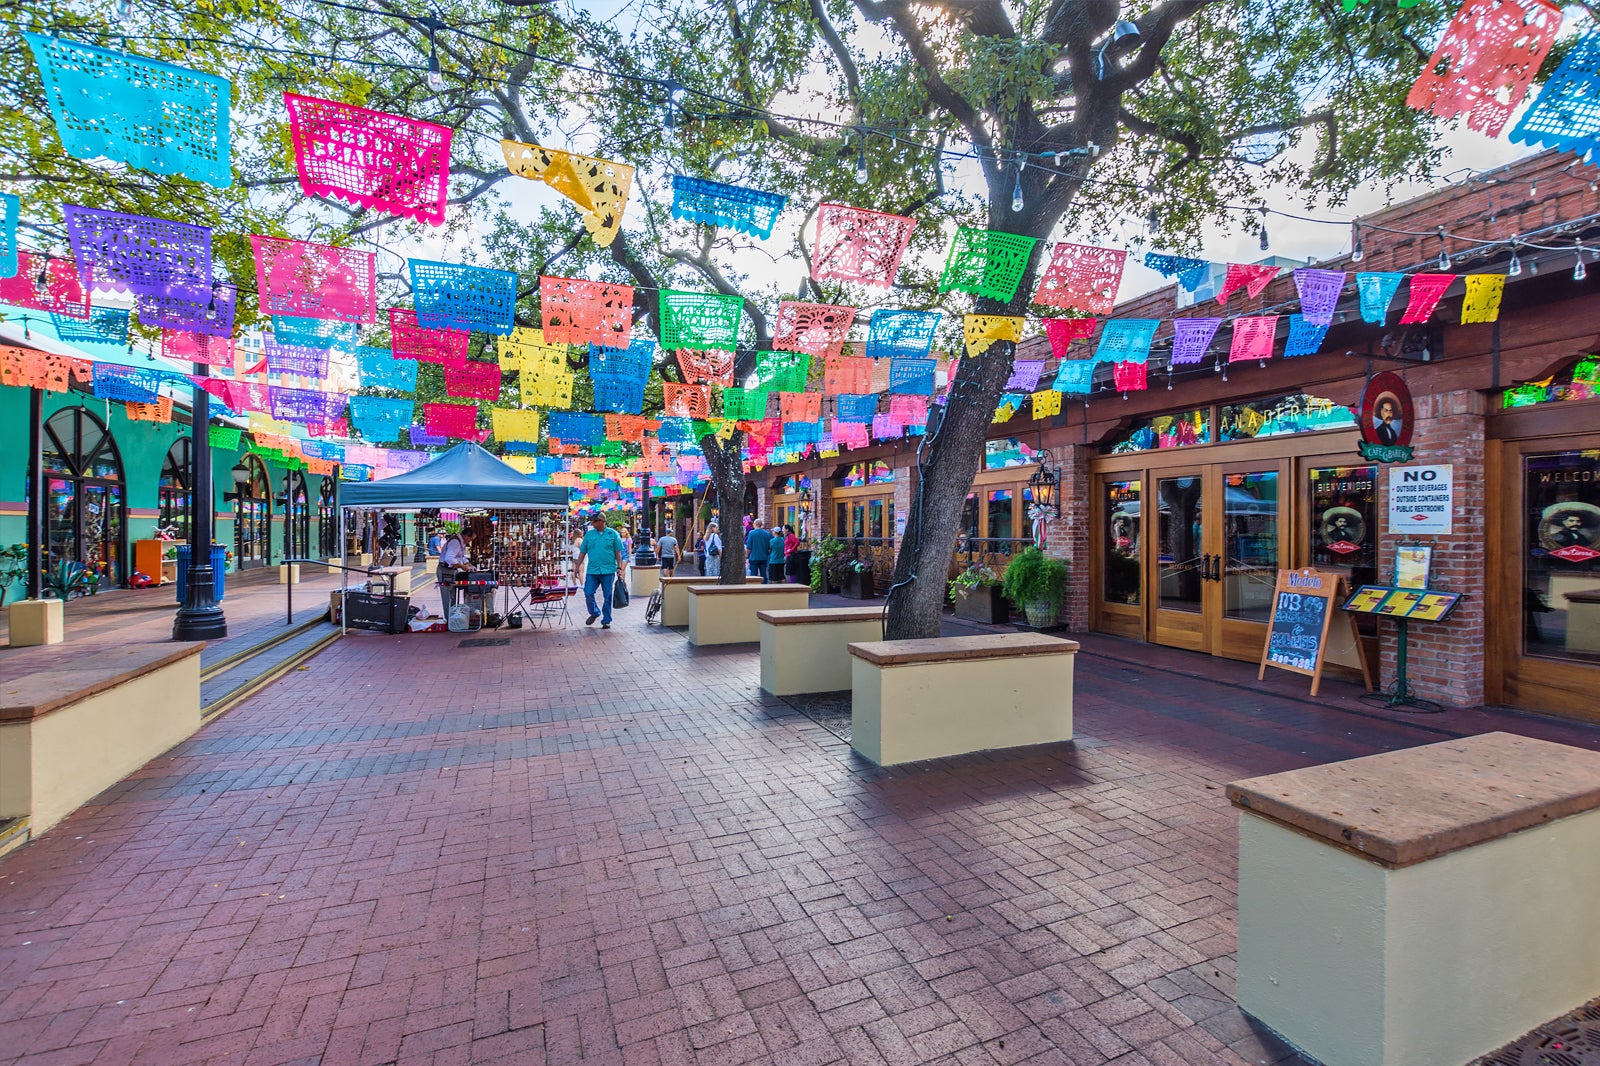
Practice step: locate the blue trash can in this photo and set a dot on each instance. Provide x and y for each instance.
(219, 564)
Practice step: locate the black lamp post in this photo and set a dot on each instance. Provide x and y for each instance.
(1044, 483)
(200, 617)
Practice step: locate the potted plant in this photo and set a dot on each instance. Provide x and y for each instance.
(977, 596)
(823, 559)
(1036, 582)
(858, 580)
(64, 580)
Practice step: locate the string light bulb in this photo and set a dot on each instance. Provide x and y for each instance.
(1514, 267)
(862, 174)
(435, 72)
(1578, 270)
(1265, 243)
(1444, 252)
(1356, 252)
(41, 284)
(674, 102)
(1016, 188)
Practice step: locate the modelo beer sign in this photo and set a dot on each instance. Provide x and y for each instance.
(1386, 418)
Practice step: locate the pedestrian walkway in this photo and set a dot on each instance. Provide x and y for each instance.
(581, 846)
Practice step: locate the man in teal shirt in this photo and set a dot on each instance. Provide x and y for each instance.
(601, 555)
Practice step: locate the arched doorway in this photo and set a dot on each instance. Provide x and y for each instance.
(176, 501)
(297, 517)
(252, 521)
(327, 520)
(86, 503)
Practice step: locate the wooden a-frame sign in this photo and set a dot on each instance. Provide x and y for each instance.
(1304, 603)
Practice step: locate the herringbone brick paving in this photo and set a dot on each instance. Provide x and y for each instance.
(608, 847)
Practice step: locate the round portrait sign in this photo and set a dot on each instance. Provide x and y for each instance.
(1386, 416)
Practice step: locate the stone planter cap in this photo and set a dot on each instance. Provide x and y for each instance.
(952, 649)
(813, 616)
(1400, 808)
(47, 678)
(749, 590)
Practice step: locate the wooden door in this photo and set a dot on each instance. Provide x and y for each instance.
(1182, 538)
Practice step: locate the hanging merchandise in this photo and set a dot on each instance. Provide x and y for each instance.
(582, 429)
(700, 320)
(207, 309)
(632, 363)
(1075, 376)
(1482, 300)
(106, 325)
(734, 207)
(1025, 375)
(848, 408)
(1305, 338)
(451, 420)
(318, 281)
(819, 329)
(857, 245)
(408, 340)
(64, 293)
(1566, 115)
(526, 352)
(1319, 293)
(981, 331)
(184, 347)
(1253, 338)
(127, 383)
(706, 366)
(306, 406)
(316, 332)
(598, 186)
(1189, 272)
(512, 424)
(10, 208)
(912, 377)
(621, 395)
(1485, 62)
(843, 374)
(1082, 277)
(160, 411)
(377, 368)
(378, 419)
(986, 262)
(1377, 289)
(1129, 377)
(686, 401)
(129, 109)
(295, 358)
(473, 380)
(1046, 402)
(1251, 277)
(1190, 339)
(371, 159)
(1063, 331)
(456, 296)
(137, 253)
(1126, 340)
(1425, 292)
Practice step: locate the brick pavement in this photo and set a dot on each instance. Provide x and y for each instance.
(608, 847)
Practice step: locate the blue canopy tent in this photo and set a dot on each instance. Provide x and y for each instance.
(465, 476)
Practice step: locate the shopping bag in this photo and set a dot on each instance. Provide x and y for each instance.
(619, 593)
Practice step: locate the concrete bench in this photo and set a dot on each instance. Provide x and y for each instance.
(675, 597)
(809, 650)
(76, 719)
(726, 614)
(1423, 906)
(924, 699)
(642, 580)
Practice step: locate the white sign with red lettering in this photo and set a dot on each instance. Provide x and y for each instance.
(1421, 499)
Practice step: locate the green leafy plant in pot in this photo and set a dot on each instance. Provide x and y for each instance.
(1036, 582)
(975, 592)
(822, 556)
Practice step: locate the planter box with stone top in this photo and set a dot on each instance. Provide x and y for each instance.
(809, 650)
(726, 614)
(1420, 907)
(675, 597)
(924, 699)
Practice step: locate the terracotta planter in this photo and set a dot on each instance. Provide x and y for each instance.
(984, 603)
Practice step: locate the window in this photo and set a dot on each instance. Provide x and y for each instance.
(1581, 382)
(1179, 429)
(876, 472)
(1561, 555)
(174, 499)
(1122, 568)
(86, 509)
(1000, 517)
(1275, 416)
(1007, 453)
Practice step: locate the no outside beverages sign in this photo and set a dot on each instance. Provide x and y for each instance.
(1421, 499)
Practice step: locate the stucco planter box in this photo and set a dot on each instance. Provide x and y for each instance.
(675, 597)
(35, 622)
(809, 650)
(726, 614)
(288, 573)
(642, 580)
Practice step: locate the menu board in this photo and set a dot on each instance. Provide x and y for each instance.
(1418, 605)
(1297, 632)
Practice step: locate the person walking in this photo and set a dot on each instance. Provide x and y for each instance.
(777, 552)
(667, 552)
(601, 553)
(700, 554)
(758, 547)
(713, 552)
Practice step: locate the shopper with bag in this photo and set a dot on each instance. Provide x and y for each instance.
(713, 553)
(602, 559)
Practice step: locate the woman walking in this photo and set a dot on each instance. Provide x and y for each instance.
(777, 554)
(713, 552)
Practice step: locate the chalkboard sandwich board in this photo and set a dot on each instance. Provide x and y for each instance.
(1297, 632)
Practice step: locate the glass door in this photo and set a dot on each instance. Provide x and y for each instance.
(1183, 559)
(1244, 573)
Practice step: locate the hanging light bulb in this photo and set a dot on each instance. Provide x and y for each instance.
(435, 72)
(41, 284)
(1169, 377)
(1356, 252)
(1016, 189)
(1153, 220)
(1265, 244)
(862, 174)
(127, 9)
(1514, 267)
(1533, 265)
(1444, 254)
(1533, 188)
(211, 308)
(674, 102)
(1578, 271)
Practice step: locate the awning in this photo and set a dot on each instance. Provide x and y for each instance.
(464, 476)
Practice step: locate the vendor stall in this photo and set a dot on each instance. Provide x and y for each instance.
(510, 546)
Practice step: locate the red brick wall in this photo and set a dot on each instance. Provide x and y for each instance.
(1069, 533)
(1445, 661)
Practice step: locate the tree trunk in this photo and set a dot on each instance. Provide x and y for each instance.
(948, 462)
(727, 473)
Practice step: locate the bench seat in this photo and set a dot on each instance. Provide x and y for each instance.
(925, 699)
(809, 650)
